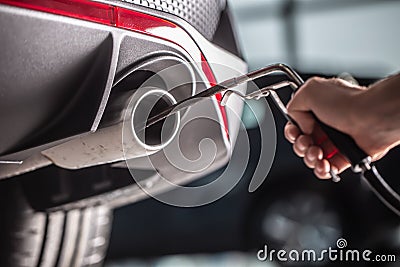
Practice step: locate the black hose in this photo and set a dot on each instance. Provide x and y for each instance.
(382, 190)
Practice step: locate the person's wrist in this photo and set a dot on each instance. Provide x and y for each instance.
(368, 124)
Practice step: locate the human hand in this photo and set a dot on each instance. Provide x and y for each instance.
(340, 105)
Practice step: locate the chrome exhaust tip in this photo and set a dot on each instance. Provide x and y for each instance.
(149, 103)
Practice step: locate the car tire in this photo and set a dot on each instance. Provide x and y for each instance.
(77, 237)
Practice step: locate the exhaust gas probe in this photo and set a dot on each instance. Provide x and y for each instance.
(361, 163)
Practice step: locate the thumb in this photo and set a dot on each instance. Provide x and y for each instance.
(300, 107)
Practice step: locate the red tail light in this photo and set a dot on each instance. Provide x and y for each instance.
(80, 9)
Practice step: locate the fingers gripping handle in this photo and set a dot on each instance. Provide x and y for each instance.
(359, 161)
(345, 144)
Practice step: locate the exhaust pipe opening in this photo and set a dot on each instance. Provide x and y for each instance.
(159, 135)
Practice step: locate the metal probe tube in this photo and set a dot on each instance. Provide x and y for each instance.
(228, 84)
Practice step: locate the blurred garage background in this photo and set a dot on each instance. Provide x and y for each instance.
(292, 209)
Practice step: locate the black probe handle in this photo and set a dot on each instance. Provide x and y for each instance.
(344, 143)
(348, 147)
